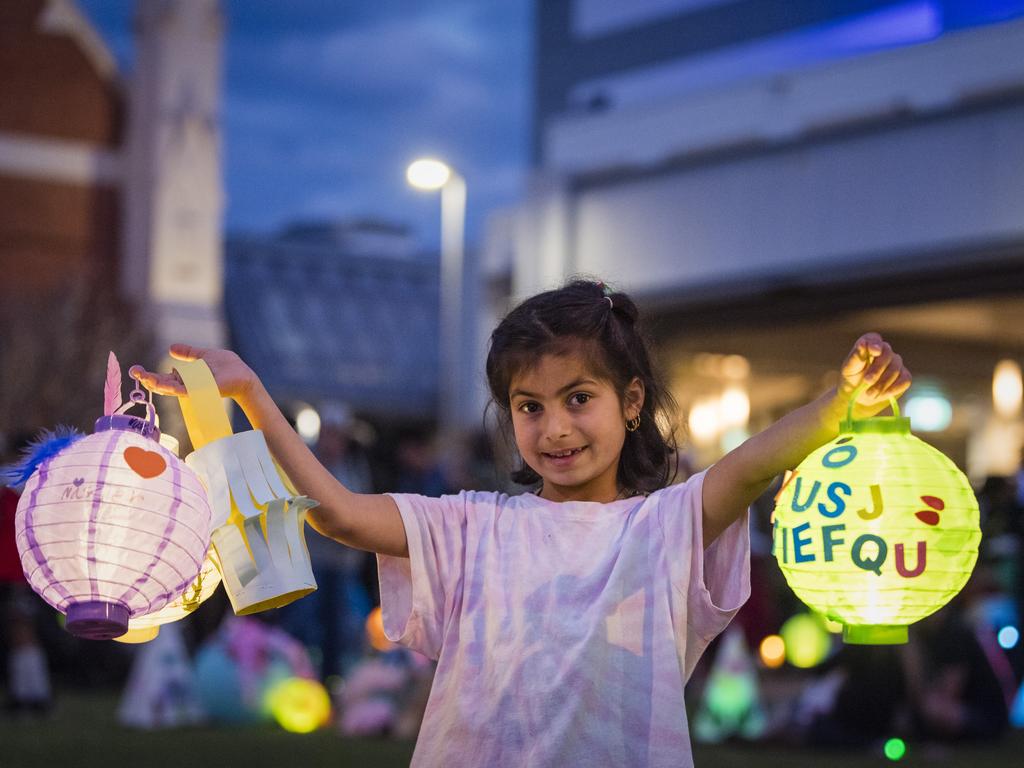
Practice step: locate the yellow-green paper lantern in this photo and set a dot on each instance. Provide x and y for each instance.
(876, 529)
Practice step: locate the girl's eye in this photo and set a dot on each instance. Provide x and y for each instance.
(529, 407)
(580, 398)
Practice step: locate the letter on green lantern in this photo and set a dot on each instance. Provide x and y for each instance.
(839, 456)
(876, 502)
(799, 544)
(840, 504)
(828, 541)
(799, 506)
(901, 565)
(869, 564)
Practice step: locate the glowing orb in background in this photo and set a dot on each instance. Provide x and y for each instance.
(299, 705)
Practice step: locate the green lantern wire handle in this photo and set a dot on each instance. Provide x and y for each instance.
(894, 423)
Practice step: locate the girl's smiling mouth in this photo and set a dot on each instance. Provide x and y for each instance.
(563, 457)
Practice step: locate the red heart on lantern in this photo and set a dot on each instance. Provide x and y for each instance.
(144, 463)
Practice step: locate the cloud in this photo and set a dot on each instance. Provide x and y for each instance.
(437, 62)
(324, 103)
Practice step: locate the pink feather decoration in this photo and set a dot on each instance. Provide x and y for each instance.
(112, 386)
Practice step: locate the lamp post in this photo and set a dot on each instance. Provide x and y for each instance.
(431, 174)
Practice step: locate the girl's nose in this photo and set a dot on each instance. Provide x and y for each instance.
(557, 426)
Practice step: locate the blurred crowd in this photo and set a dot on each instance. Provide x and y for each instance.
(959, 677)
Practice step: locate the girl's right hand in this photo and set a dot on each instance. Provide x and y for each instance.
(234, 378)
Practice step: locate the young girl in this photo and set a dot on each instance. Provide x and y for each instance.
(565, 621)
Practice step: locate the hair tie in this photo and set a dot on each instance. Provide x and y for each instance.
(610, 304)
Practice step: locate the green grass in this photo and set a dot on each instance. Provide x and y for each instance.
(83, 732)
(1004, 754)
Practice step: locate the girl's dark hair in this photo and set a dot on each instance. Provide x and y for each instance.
(579, 317)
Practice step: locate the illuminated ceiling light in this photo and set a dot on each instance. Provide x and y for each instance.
(307, 424)
(707, 364)
(428, 173)
(735, 367)
(1007, 388)
(703, 421)
(734, 407)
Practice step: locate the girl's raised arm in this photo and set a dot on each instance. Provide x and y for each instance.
(742, 475)
(365, 521)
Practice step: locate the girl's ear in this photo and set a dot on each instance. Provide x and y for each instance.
(633, 398)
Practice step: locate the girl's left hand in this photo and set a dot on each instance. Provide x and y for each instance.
(873, 361)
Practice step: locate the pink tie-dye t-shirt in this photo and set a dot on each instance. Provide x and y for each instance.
(564, 632)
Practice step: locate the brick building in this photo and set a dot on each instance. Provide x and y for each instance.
(61, 138)
(110, 198)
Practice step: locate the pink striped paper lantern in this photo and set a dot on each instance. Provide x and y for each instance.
(113, 526)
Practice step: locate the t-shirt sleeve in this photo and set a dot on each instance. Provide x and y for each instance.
(418, 593)
(710, 585)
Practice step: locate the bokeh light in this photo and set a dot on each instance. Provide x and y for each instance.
(895, 749)
(299, 705)
(929, 411)
(807, 642)
(1007, 388)
(730, 696)
(773, 651)
(375, 631)
(1008, 637)
(307, 424)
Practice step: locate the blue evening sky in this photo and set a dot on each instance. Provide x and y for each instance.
(324, 103)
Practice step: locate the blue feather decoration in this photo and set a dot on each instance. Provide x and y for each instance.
(47, 445)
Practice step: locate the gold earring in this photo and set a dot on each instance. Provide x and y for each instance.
(632, 425)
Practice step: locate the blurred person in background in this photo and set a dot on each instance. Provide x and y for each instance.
(419, 469)
(855, 700)
(24, 660)
(958, 679)
(330, 620)
(1001, 503)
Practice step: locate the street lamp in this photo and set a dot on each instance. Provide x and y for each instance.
(431, 174)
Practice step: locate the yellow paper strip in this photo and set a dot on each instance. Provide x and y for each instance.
(202, 407)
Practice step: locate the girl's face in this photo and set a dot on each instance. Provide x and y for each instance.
(570, 427)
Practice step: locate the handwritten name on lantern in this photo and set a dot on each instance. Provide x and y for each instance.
(79, 490)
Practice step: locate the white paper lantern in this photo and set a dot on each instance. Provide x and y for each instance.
(113, 526)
